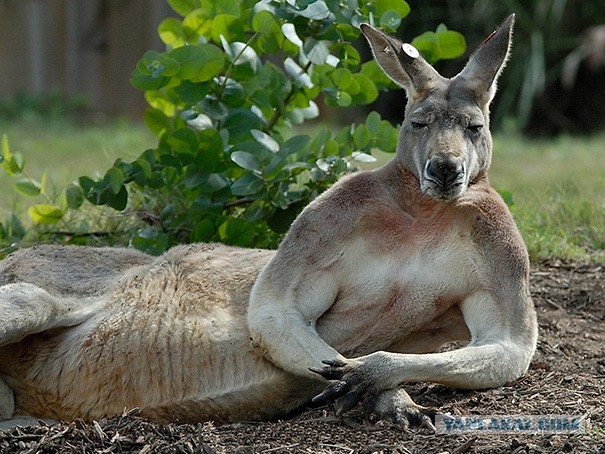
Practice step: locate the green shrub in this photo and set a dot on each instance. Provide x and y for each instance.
(225, 97)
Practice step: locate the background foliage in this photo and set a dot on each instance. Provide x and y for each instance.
(235, 78)
(551, 44)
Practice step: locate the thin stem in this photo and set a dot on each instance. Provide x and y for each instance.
(278, 112)
(222, 86)
(238, 202)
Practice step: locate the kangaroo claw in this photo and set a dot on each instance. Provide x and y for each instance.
(334, 370)
(332, 392)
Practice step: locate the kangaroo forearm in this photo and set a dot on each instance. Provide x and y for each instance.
(471, 367)
(291, 344)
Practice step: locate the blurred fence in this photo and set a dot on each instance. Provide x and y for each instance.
(78, 47)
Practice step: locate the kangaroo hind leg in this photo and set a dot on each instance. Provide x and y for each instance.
(27, 309)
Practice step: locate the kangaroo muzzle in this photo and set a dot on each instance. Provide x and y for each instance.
(444, 177)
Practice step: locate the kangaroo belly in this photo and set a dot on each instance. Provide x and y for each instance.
(171, 340)
(189, 376)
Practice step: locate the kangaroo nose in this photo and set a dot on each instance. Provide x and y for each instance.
(444, 170)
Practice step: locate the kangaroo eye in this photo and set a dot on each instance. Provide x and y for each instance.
(418, 125)
(474, 128)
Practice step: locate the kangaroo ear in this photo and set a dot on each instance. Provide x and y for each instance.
(401, 62)
(484, 67)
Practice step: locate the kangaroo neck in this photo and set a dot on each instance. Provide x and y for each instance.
(405, 189)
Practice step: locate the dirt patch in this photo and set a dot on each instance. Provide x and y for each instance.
(566, 378)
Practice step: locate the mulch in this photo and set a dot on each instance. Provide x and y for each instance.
(566, 378)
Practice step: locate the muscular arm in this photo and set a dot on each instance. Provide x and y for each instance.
(503, 340)
(282, 317)
(302, 281)
(500, 350)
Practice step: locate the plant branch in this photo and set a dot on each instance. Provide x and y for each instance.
(278, 112)
(237, 202)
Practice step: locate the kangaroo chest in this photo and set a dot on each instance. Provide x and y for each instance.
(388, 294)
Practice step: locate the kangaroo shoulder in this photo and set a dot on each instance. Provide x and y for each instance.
(322, 227)
(336, 211)
(493, 229)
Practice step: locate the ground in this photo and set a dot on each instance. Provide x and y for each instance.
(566, 377)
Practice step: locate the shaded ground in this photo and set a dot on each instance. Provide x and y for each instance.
(566, 377)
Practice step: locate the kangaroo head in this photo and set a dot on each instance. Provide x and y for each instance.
(444, 139)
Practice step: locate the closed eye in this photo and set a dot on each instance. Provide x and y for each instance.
(418, 125)
(474, 128)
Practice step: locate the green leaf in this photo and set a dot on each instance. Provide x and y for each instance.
(141, 171)
(183, 140)
(237, 232)
(120, 200)
(163, 101)
(203, 231)
(239, 122)
(150, 240)
(28, 187)
(230, 27)
(451, 44)
(374, 72)
(347, 54)
(73, 196)
(157, 65)
(317, 51)
(88, 187)
(113, 180)
(45, 214)
(445, 44)
(373, 123)
(147, 82)
(191, 93)
(215, 182)
(367, 90)
(183, 7)
(387, 137)
(241, 54)
(249, 184)
(211, 147)
(233, 94)
(265, 22)
(197, 26)
(212, 8)
(245, 160)
(390, 20)
(342, 78)
(295, 144)
(317, 10)
(171, 32)
(198, 63)
(361, 136)
(265, 140)
(343, 99)
(156, 121)
(399, 6)
(363, 157)
(12, 164)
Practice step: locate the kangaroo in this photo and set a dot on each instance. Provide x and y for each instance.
(373, 278)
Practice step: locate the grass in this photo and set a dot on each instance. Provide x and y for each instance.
(65, 151)
(558, 186)
(558, 189)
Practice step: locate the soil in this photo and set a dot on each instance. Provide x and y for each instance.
(566, 377)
